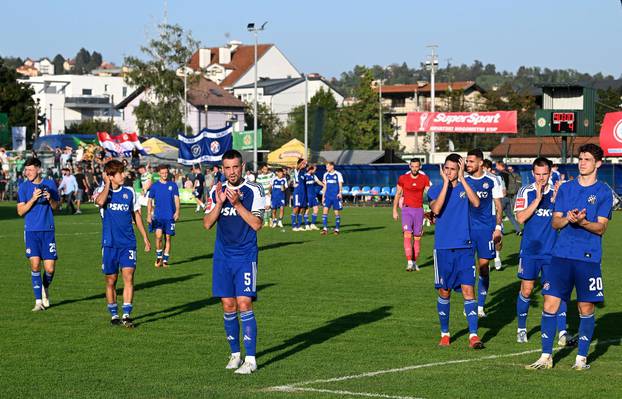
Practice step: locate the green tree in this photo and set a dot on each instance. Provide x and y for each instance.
(59, 62)
(83, 58)
(16, 100)
(273, 133)
(92, 126)
(609, 100)
(161, 111)
(322, 108)
(95, 61)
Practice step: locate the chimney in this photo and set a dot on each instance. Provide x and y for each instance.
(205, 57)
(421, 83)
(233, 45)
(224, 55)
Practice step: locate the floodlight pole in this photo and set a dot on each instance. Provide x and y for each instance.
(185, 101)
(433, 62)
(255, 30)
(380, 115)
(306, 116)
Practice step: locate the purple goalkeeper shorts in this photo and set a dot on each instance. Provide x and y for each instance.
(412, 220)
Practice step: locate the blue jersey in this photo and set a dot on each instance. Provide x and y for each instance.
(235, 239)
(538, 233)
(574, 242)
(117, 218)
(487, 189)
(452, 229)
(331, 184)
(555, 177)
(39, 217)
(278, 187)
(164, 195)
(300, 181)
(311, 182)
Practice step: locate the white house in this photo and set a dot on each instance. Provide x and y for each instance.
(66, 99)
(282, 95)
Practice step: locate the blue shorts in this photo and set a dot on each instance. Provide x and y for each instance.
(300, 199)
(312, 201)
(198, 193)
(565, 274)
(334, 203)
(532, 268)
(40, 244)
(114, 259)
(277, 202)
(166, 225)
(231, 278)
(483, 243)
(453, 268)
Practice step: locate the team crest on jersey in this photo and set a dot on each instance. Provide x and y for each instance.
(170, 188)
(591, 199)
(124, 196)
(485, 185)
(463, 194)
(546, 286)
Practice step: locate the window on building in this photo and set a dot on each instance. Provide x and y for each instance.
(87, 92)
(398, 102)
(124, 91)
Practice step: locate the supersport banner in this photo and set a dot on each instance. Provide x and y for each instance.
(611, 134)
(462, 122)
(122, 144)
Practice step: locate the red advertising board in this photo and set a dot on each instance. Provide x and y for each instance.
(611, 134)
(462, 122)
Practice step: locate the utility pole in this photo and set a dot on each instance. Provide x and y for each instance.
(255, 30)
(185, 100)
(50, 119)
(432, 64)
(306, 116)
(380, 114)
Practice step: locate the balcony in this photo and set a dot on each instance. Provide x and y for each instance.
(97, 102)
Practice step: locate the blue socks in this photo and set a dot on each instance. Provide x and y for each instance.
(293, 220)
(112, 308)
(47, 279)
(165, 258)
(127, 309)
(561, 316)
(249, 331)
(522, 309)
(337, 222)
(232, 329)
(586, 330)
(325, 221)
(306, 217)
(442, 306)
(547, 328)
(314, 218)
(482, 288)
(300, 220)
(37, 284)
(470, 308)
(159, 253)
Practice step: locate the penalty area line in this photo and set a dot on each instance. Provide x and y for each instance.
(302, 386)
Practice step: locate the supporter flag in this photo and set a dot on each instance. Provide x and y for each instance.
(122, 144)
(611, 134)
(207, 146)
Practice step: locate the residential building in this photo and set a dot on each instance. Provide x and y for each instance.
(398, 100)
(36, 67)
(65, 99)
(282, 95)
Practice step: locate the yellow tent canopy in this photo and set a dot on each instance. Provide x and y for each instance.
(288, 154)
(154, 146)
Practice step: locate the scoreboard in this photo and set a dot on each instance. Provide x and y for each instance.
(563, 122)
(567, 110)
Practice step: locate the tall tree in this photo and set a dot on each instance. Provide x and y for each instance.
(95, 61)
(161, 111)
(322, 109)
(59, 62)
(274, 134)
(83, 58)
(16, 100)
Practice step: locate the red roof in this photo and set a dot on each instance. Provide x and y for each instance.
(205, 92)
(539, 146)
(242, 59)
(427, 87)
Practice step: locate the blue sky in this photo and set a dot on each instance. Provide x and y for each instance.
(330, 37)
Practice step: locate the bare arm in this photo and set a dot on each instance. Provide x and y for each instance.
(396, 201)
(246, 215)
(437, 205)
(141, 229)
(525, 214)
(499, 211)
(24, 207)
(212, 216)
(177, 208)
(559, 220)
(149, 209)
(102, 197)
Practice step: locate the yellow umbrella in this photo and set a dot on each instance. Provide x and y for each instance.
(288, 154)
(154, 146)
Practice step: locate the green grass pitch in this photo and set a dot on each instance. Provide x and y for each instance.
(328, 307)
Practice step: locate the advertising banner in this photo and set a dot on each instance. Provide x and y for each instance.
(19, 138)
(462, 122)
(611, 134)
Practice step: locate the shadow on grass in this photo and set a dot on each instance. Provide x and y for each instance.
(137, 287)
(184, 308)
(371, 228)
(324, 333)
(266, 247)
(501, 310)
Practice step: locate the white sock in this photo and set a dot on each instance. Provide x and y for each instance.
(497, 257)
(235, 354)
(250, 359)
(480, 308)
(561, 333)
(410, 263)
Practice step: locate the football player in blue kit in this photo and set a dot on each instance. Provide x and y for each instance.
(36, 198)
(278, 186)
(300, 195)
(486, 221)
(237, 208)
(119, 208)
(581, 214)
(534, 209)
(453, 251)
(311, 186)
(333, 184)
(163, 216)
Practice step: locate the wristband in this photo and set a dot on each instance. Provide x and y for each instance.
(499, 227)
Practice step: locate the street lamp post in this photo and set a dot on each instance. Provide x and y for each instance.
(431, 64)
(380, 115)
(255, 30)
(306, 116)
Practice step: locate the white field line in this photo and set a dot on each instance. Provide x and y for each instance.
(56, 234)
(298, 386)
(340, 392)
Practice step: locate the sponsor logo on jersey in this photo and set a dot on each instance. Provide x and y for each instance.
(118, 207)
(520, 203)
(247, 289)
(600, 293)
(228, 212)
(591, 199)
(482, 194)
(544, 212)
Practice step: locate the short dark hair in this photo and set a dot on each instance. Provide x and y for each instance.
(33, 162)
(453, 157)
(232, 154)
(593, 149)
(415, 160)
(163, 166)
(300, 160)
(487, 163)
(113, 167)
(261, 165)
(476, 152)
(280, 170)
(331, 163)
(542, 161)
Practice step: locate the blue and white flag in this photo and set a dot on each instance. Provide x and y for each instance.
(207, 146)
